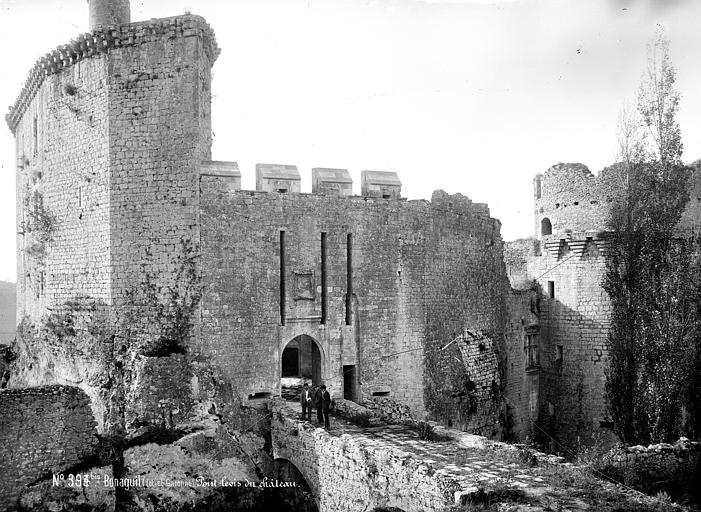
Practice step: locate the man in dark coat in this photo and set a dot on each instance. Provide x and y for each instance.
(318, 404)
(306, 398)
(325, 404)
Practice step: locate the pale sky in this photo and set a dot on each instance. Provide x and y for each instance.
(471, 96)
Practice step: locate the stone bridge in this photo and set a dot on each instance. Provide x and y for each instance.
(354, 472)
(387, 467)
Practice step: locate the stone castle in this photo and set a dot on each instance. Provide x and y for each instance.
(123, 217)
(151, 281)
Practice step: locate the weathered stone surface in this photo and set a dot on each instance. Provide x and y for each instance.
(347, 475)
(43, 431)
(654, 465)
(411, 262)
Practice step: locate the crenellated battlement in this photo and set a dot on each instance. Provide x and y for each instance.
(224, 177)
(105, 40)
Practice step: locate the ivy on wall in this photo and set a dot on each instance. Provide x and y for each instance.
(172, 307)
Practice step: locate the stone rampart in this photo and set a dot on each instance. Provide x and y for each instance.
(420, 273)
(43, 431)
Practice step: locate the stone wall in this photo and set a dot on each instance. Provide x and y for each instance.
(43, 431)
(572, 341)
(387, 409)
(573, 199)
(516, 254)
(572, 209)
(483, 383)
(420, 273)
(110, 132)
(62, 190)
(522, 385)
(657, 466)
(346, 474)
(160, 131)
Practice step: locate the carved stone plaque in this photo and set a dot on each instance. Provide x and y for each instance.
(304, 286)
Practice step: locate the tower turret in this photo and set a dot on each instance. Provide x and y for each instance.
(109, 12)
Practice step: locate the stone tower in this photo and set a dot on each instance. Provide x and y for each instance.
(105, 13)
(110, 131)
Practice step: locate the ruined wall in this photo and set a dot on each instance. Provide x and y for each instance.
(573, 199)
(43, 431)
(405, 258)
(465, 288)
(657, 466)
(348, 475)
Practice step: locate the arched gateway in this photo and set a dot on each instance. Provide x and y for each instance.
(301, 361)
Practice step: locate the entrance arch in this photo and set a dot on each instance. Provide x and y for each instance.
(302, 359)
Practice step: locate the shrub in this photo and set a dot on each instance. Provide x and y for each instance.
(426, 431)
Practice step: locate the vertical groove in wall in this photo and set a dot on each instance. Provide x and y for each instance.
(349, 277)
(323, 279)
(282, 277)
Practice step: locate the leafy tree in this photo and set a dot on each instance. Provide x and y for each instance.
(653, 273)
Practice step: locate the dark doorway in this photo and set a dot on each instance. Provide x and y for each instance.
(290, 362)
(349, 380)
(301, 359)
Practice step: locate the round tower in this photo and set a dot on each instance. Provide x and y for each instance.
(109, 12)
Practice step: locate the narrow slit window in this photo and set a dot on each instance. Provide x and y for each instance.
(323, 279)
(282, 278)
(35, 130)
(551, 289)
(349, 278)
(558, 352)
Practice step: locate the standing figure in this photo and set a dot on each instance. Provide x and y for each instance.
(319, 405)
(325, 404)
(305, 399)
